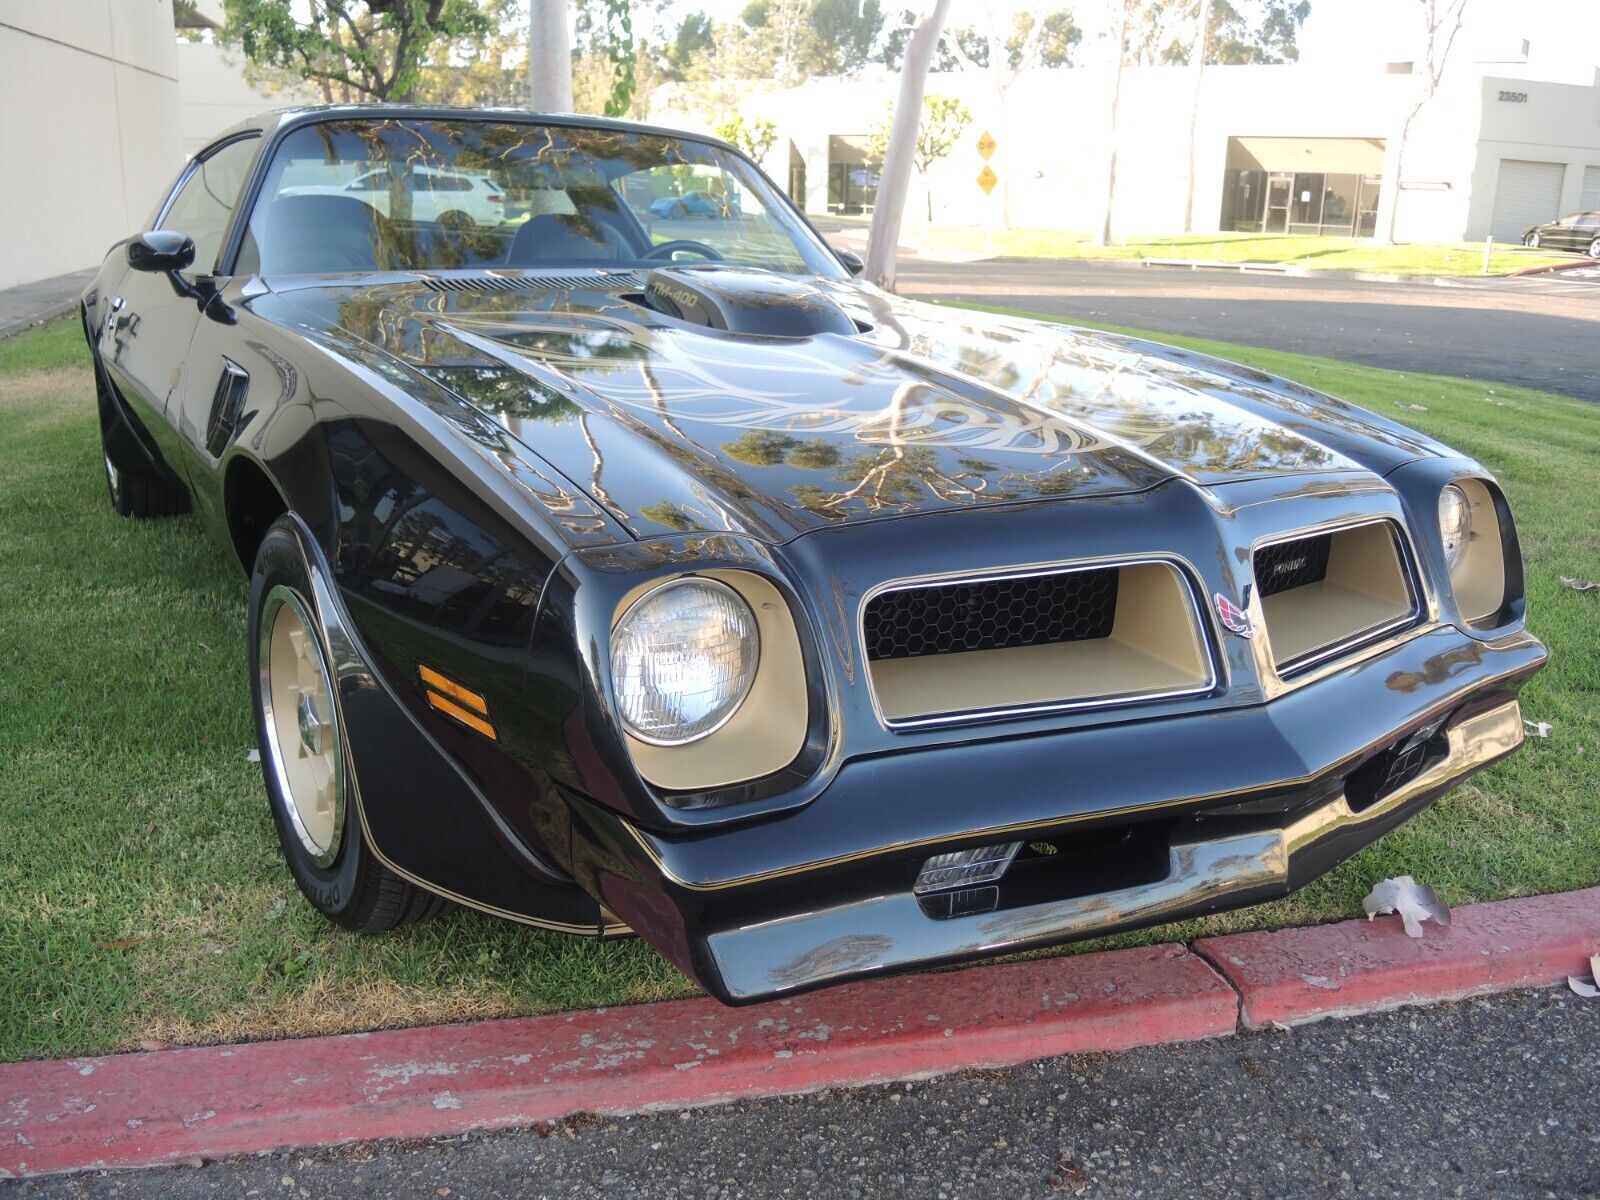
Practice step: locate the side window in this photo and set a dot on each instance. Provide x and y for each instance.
(205, 202)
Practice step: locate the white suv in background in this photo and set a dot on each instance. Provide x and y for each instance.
(454, 198)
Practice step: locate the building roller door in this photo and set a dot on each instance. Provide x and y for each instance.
(1528, 193)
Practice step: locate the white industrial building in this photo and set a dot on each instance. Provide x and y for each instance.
(1284, 149)
(90, 132)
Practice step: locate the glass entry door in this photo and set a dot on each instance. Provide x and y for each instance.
(1280, 191)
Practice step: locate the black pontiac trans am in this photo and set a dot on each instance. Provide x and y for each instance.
(612, 577)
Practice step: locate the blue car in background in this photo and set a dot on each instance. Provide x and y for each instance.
(690, 204)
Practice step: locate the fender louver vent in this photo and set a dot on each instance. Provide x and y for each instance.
(530, 283)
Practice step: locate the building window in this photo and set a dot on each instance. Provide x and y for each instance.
(1311, 187)
(852, 174)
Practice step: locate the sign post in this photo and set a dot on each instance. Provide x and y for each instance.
(987, 179)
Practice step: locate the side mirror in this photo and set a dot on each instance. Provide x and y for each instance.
(160, 250)
(851, 260)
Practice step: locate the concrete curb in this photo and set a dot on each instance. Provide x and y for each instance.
(171, 1106)
(1292, 976)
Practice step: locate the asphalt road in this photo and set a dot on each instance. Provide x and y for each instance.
(1538, 331)
(1488, 1098)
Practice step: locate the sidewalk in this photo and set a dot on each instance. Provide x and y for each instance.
(34, 303)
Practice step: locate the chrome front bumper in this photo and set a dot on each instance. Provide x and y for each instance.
(825, 945)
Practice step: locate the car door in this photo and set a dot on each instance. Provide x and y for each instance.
(1586, 228)
(151, 317)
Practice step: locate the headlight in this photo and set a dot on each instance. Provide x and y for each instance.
(1455, 524)
(683, 659)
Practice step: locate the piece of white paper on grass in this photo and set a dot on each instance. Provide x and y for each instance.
(1414, 902)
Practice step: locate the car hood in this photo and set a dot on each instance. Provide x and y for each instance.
(674, 427)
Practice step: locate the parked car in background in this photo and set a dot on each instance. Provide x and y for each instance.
(452, 198)
(1579, 232)
(690, 204)
(700, 591)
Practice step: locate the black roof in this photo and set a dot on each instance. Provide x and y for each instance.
(280, 120)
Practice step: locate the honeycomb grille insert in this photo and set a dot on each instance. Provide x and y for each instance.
(1285, 566)
(954, 618)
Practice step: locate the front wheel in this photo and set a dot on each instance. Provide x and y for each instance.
(1594, 249)
(1531, 241)
(679, 211)
(305, 751)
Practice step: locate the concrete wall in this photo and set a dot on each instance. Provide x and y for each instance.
(89, 136)
(214, 95)
(1558, 123)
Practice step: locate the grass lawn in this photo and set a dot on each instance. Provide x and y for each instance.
(141, 894)
(1310, 253)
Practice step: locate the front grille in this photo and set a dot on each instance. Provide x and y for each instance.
(1328, 593)
(950, 618)
(990, 647)
(1286, 565)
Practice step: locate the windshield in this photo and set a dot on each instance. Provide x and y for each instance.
(404, 194)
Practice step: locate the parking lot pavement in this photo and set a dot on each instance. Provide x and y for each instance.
(1491, 1097)
(1539, 331)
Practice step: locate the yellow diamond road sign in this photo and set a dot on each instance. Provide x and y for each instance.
(986, 144)
(987, 179)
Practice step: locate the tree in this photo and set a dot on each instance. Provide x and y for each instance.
(883, 239)
(606, 58)
(1163, 32)
(1441, 22)
(944, 120)
(1119, 55)
(754, 136)
(785, 37)
(846, 31)
(692, 38)
(369, 49)
(549, 57)
(1197, 71)
(1052, 48)
(1009, 49)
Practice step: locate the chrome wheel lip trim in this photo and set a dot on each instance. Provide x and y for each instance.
(280, 596)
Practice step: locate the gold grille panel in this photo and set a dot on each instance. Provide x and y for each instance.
(963, 650)
(1328, 593)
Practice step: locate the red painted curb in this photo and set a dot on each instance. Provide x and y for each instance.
(151, 1108)
(1295, 975)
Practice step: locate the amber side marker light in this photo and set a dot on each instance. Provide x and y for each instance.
(459, 703)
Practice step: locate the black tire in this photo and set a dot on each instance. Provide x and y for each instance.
(1594, 249)
(354, 889)
(679, 212)
(1531, 241)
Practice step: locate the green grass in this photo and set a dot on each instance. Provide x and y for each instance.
(141, 894)
(1309, 253)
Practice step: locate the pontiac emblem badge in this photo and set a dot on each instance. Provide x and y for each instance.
(1235, 618)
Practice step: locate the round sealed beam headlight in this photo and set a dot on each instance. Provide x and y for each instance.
(1455, 524)
(683, 658)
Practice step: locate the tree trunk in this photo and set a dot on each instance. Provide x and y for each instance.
(1118, 47)
(888, 209)
(549, 57)
(1197, 72)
